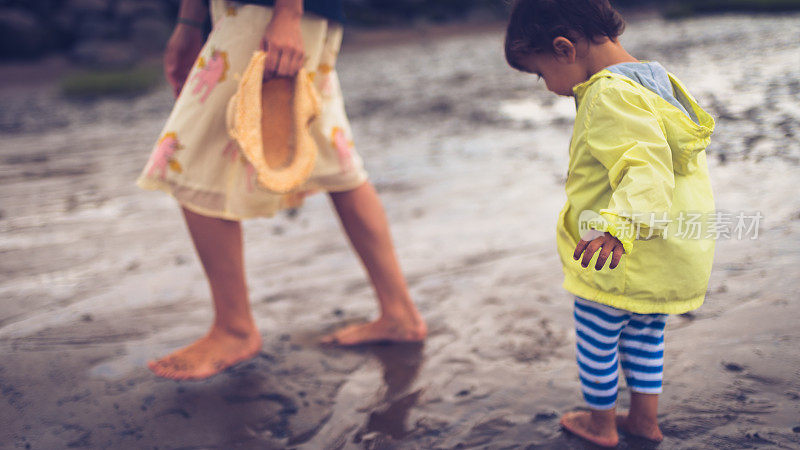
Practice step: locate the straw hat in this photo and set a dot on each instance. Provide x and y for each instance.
(270, 121)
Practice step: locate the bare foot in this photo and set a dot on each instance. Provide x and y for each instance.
(637, 428)
(580, 423)
(207, 356)
(381, 330)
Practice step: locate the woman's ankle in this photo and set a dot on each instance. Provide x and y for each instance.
(402, 314)
(240, 330)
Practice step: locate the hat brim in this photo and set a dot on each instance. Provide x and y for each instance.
(270, 122)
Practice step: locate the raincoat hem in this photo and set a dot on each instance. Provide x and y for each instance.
(579, 288)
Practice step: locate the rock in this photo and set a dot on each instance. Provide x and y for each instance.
(22, 34)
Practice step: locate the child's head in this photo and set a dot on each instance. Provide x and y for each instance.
(543, 37)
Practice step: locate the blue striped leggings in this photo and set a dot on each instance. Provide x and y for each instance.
(608, 335)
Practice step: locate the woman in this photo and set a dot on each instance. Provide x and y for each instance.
(197, 163)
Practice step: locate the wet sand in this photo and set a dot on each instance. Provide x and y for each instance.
(97, 277)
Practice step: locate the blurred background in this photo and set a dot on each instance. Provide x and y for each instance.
(117, 32)
(469, 157)
(121, 36)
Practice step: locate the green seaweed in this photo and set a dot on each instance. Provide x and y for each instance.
(118, 82)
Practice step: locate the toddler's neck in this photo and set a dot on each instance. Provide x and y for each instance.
(604, 54)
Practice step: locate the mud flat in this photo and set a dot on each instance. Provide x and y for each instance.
(97, 277)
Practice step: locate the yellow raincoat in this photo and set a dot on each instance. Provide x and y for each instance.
(638, 170)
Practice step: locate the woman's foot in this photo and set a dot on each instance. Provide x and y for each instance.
(647, 430)
(208, 356)
(381, 330)
(586, 425)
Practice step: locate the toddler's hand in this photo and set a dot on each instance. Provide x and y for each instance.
(609, 245)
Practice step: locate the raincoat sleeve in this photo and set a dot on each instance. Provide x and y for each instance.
(624, 134)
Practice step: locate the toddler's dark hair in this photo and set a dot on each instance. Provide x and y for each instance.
(535, 23)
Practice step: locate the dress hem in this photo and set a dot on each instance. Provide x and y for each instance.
(167, 187)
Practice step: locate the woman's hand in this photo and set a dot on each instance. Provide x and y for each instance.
(182, 49)
(609, 245)
(283, 44)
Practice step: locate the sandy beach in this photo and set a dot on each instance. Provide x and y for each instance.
(97, 276)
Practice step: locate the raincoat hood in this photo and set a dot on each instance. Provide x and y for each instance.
(686, 137)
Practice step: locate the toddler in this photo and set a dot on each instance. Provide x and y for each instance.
(637, 171)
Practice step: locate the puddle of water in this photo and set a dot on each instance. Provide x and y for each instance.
(537, 113)
(135, 357)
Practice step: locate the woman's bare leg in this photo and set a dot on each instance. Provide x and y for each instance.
(233, 336)
(364, 221)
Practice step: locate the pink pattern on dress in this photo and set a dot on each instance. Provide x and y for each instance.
(343, 147)
(162, 156)
(231, 150)
(210, 73)
(325, 80)
(251, 175)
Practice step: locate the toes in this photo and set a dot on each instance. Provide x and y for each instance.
(342, 336)
(167, 372)
(157, 367)
(353, 339)
(164, 368)
(574, 422)
(200, 365)
(179, 375)
(372, 333)
(571, 421)
(202, 375)
(567, 419)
